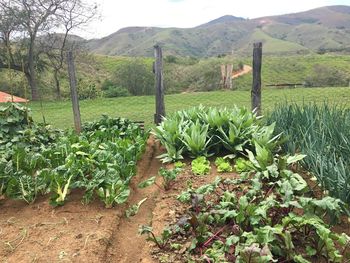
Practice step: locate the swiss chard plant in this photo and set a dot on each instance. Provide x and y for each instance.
(36, 159)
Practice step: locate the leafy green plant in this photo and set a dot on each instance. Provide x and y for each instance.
(160, 241)
(134, 209)
(116, 192)
(60, 188)
(168, 176)
(203, 131)
(196, 140)
(223, 166)
(252, 219)
(37, 159)
(200, 166)
(179, 164)
(242, 165)
(147, 182)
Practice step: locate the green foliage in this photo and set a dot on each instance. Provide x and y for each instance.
(324, 140)
(88, 89)
(200, 166)
(101, 161)
(242, 165)
(179, 164)
(195, 138)
(134, 209)
(114, 193)
(147, 182)
(252, 219)
(136, 76)
(223, 166)
(168, 176)
(323, 76)
(203, 131)
(255, 221)
(161, 241)
(111, 90)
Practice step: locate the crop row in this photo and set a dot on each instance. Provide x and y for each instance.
(267, 214)
(323, 134)
(39, 160)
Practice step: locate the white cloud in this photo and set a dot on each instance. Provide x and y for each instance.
(117, 14)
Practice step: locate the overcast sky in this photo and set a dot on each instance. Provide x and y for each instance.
(116, 14)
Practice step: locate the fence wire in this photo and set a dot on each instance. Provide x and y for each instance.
(142, 108)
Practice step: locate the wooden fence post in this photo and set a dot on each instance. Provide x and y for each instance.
(158, 71)
(229, 69)
(73, 91)
(256, 87)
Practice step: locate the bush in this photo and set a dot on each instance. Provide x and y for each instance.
(113, 92)
(323, 76)
(87, 89)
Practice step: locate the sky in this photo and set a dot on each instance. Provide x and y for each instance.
(116, 14)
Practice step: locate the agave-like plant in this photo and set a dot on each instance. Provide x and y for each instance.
(196, 139)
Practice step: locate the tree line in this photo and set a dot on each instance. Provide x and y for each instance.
(35, 35)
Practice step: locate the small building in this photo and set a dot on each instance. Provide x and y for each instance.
(5, 97)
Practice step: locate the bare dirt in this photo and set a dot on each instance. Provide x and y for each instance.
(77, 232)
(246, 69)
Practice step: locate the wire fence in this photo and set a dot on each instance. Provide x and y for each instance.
(142, 108)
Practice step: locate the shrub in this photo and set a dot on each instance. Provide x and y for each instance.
(323, 76)
(113, 92)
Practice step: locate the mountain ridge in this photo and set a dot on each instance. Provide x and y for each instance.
(317, 30)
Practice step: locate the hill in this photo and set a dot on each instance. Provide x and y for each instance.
(317, 30)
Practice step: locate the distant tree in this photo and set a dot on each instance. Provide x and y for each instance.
(136, 76)
(170, 59)
(22, 22)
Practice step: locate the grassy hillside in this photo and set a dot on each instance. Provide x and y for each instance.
(188, 74)
(317, 30)
(59, 114)
(271, 45)
(297, 69)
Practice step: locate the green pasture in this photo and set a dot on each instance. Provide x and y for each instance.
(59, 113)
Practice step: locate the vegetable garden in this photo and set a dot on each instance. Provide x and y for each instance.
(232, 187)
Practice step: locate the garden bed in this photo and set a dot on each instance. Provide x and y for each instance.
(169, 211)
(75, 232)
(236, 198)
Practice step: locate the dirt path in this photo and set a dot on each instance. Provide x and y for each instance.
(246, 69)
(126, 245)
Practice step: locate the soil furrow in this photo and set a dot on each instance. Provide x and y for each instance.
(126, 245)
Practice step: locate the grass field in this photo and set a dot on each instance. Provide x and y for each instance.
(293, 69)
(59, 114)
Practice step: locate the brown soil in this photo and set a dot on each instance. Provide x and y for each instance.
(168, 209)
(76, 232)
(246, 69)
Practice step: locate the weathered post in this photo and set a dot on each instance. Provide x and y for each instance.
(73, 91)
(229, 69)
(256, 87)
(158, 71)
